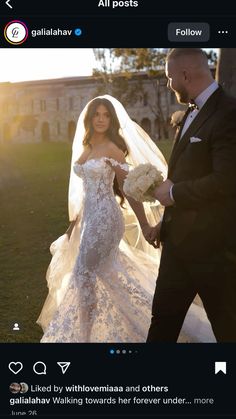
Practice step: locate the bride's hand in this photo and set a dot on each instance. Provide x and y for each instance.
(155, 235)
(150, 234)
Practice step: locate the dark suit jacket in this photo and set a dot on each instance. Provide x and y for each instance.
(203, 219)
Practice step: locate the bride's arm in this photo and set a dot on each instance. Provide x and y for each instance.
(118, 156)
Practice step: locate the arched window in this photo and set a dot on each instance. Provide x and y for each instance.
(45, 132)
(145, 99)
(43, 105)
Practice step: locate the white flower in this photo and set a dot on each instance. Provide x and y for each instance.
(140, 182)
(176, 118)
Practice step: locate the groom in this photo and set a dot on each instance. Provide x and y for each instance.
(198, 230)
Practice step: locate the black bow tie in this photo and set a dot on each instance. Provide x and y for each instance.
(192, 106)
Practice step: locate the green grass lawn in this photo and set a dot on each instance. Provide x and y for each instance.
(165, 146)
(33, 213)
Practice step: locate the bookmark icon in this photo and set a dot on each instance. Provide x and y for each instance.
(220, 366)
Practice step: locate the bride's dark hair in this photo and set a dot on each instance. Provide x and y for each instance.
(112, 132)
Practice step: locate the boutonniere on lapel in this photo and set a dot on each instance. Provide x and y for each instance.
(176, 118)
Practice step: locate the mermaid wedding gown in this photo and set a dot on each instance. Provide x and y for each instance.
(100, 288)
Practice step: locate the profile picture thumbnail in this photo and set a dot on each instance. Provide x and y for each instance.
(18, 388)
(15, 388)
(24, 388)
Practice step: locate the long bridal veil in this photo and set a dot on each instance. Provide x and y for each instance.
(141, 150)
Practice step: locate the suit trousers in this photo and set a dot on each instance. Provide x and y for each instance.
(178, 282)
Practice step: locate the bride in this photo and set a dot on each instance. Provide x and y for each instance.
(102, 275)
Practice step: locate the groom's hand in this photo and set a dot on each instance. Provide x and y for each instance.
(147, 231)
(162, 193)
(155, 235)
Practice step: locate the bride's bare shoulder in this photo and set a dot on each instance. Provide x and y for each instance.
(116, 153)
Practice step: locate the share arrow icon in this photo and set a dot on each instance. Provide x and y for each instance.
(64, 366)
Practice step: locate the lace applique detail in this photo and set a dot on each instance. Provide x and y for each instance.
(100, 290)
(123, 166)
(93, 309)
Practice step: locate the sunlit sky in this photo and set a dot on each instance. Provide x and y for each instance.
(36, 64)
(20, 64)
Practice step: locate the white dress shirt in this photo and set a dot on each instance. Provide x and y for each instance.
(200, 100)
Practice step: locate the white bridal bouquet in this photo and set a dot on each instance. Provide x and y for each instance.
(141, 181)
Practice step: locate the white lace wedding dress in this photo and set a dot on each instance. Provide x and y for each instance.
(100, 288)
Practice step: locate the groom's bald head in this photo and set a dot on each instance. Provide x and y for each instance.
(189, 55)
(188, 72)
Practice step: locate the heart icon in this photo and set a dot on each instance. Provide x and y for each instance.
(15, 367)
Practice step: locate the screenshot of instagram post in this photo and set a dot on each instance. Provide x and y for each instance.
(117, 210)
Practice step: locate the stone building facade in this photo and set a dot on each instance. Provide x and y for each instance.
(48, 110)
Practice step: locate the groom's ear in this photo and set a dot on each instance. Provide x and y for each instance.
(185, 75)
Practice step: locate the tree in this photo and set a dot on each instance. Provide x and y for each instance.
(226, 70)
(124, 71)
(111, 79)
